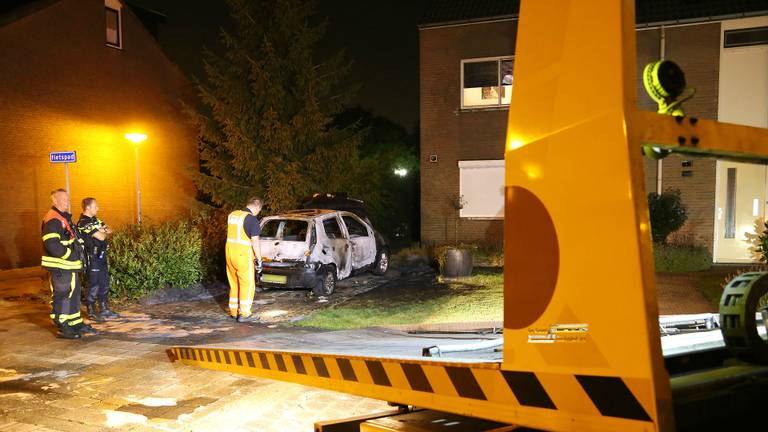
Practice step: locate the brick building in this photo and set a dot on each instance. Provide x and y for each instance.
(467, 54)
(78, 75)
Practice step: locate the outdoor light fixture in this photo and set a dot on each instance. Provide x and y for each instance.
(402, 172)
(137, 138)
(664, 82)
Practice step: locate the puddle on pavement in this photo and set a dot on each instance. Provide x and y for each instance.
(166, 408)
(15, 383)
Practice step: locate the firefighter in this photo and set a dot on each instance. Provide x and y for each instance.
(242, 252)
(62, 257)
(94, 233)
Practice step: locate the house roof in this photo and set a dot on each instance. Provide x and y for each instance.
(442, 12)
(14, 10)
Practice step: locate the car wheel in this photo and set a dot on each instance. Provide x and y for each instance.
(382, 263)
(326, 283)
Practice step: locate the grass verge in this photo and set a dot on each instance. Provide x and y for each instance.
(476, 298)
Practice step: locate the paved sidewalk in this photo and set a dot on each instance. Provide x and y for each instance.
(122, 378)
(103, 382)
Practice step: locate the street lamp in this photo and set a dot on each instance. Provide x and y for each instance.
(136, 139)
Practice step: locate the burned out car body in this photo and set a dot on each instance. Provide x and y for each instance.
(314, 248)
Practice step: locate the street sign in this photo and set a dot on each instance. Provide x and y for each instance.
(64, 157)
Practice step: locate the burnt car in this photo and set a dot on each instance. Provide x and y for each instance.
(314, 248)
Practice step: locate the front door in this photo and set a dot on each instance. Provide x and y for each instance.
(740, 201)
(339, 245)
(362, 241)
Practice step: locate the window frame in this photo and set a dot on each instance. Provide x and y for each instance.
(339, 224)
(110, 6)
(358, 221)
(498, 60)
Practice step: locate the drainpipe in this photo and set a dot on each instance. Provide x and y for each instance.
(662, 53)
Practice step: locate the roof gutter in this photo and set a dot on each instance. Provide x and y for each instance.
(455, 23)
(701, 20)
(644, 26)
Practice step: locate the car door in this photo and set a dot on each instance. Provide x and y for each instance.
(339, 246)
(361, 241)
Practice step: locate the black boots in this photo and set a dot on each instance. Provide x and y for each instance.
(102, 314)
(93, 315)
(66, 332)
(105, 312)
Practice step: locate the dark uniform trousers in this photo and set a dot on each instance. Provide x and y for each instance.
(98, 281)
(65, 307)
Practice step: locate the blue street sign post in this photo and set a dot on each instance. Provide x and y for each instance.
(65, 157)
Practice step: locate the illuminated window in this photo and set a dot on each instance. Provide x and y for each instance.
(486, 82)
(114, 23)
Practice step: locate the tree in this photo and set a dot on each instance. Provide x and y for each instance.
(668, 214)
(396, 214)
(265, 124)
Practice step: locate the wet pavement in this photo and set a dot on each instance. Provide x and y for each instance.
(123, 379)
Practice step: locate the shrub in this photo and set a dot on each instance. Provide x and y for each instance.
(667, 214)
(759, 241)
(145, 258)
(415, 252)
(681, 258)
(212, 226)
(489, 255)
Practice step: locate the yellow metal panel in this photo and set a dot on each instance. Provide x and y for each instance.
(568, 395)
(471, 389)
(495, 389)
(700, 137)
(574, 189)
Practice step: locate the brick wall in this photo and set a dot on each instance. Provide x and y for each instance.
(454, 134)
(63, 89)
(696, 49)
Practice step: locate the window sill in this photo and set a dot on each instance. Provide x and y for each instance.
(481, 218)
(483, 109)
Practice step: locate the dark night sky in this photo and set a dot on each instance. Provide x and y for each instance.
(380, 37)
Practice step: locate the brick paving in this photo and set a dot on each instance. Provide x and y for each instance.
(122, 378)
(109, 383)
(677, 294)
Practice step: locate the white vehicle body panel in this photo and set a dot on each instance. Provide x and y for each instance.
(317, 246)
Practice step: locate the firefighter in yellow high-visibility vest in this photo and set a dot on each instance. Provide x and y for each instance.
(243, 259)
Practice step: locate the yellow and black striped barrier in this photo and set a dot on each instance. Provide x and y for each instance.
(474, 389)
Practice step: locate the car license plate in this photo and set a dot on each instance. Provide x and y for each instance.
(277, 279)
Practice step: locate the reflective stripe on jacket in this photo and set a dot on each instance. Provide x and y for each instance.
(237, 239)
(59, 248)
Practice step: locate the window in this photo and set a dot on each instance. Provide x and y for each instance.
(730, 204)
(745, 37)
(112, 10)
(270, 229)
(486, 82)
(332, 228)
(481, 184)
(355, 227)
(285, 229)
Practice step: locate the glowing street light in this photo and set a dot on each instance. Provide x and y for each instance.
(137, 138)
(402, 172)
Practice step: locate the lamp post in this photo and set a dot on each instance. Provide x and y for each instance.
(136, 139)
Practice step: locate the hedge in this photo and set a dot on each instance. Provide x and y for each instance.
(148, 257)
(681, 258)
